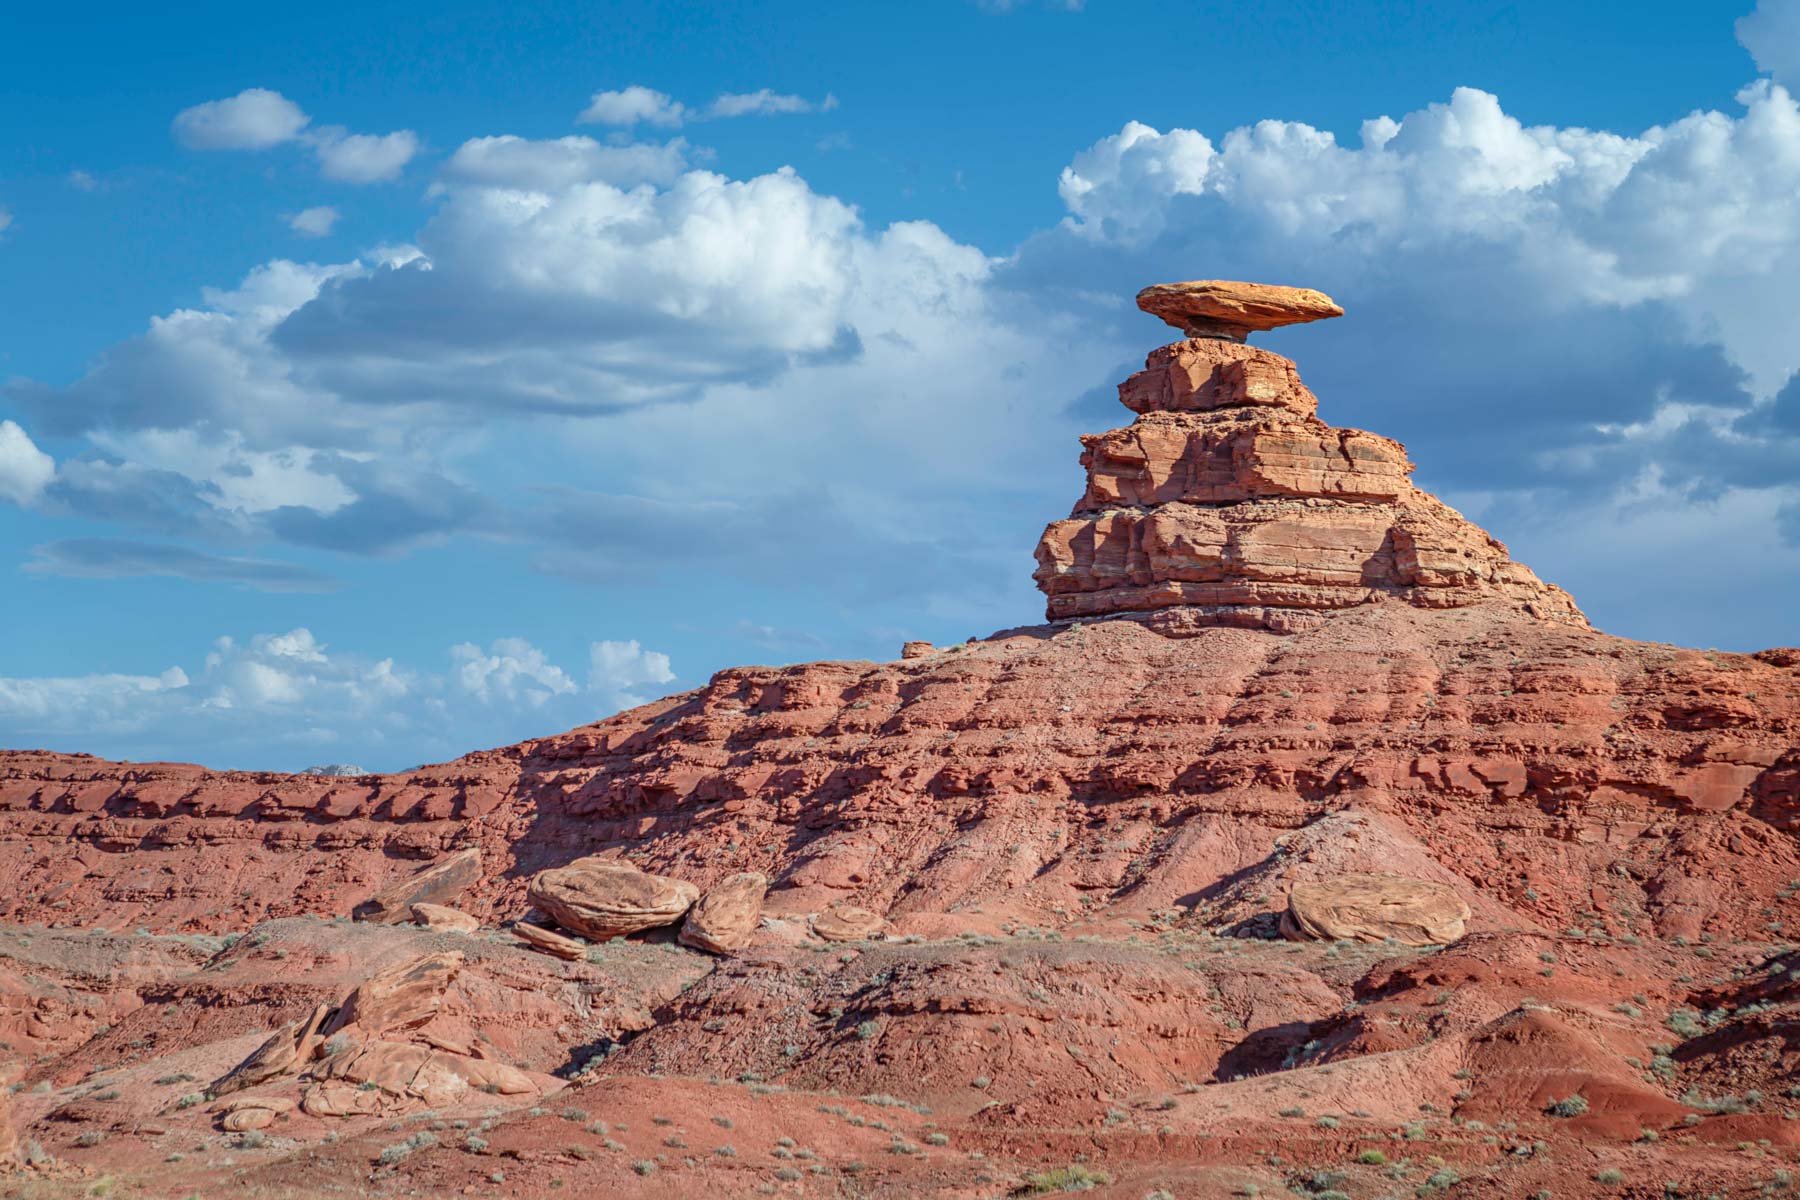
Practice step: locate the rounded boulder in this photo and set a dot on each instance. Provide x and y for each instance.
(1374, 908)
(727, 917)
(847, 923)
(600, 899)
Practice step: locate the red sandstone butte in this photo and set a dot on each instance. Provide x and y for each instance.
(1272, 668)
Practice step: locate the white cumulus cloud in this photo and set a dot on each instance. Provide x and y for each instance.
(259, 119)
(631, 105)
(363, 157)
(314, 222)
(24, 469)
(254, 119)
(1704, 211)
(617, 669)
(512, 669)
(1771, 33)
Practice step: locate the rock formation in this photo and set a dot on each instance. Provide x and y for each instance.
(450, 920)
(847, 923)
(1052, 865)
(550, 941)
(1227, 502)
(1231, 311)
(726, 917)
(604, 899)
(440, 883)
(1375, 907)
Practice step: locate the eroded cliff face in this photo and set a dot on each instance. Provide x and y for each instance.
(1105, 767)
(1229, 500)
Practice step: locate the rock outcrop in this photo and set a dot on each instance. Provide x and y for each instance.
(1228, 502)
(725, 918)
(401, 997)
(288, 1049)
(550, 941)
(440, 883)
(440, 917)
(1374, 907)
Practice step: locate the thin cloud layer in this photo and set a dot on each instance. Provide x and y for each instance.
(639, 105)
(116, 558)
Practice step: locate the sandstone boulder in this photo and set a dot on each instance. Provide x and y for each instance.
(288, 1050)
(239, 1120)
(726, 917)
(916, 649)
(550, 941)
(440, 883)
(847, 923)
(600, 899)
(408, 1071)
(401, 997)
(1373, 908)
(1225, 308)
(338, 1098)
(444, 919)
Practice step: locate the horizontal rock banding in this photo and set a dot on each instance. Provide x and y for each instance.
(1228, 498)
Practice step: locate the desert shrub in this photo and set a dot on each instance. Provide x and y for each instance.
(1568, 1106)
(1072, 1178)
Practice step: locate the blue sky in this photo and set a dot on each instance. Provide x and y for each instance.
(379, 383)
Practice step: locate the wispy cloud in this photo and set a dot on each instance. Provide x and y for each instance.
(117, 558)
(637, 104)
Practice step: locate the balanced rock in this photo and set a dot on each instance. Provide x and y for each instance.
(1227, 502)
(1228, 310)
(550, 941)
(444, 918)
(600, 899)
(726, 918)
(1374, 908)
(440, 883)
(847, 923)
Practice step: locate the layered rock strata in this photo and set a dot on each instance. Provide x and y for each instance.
(1230, 501)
